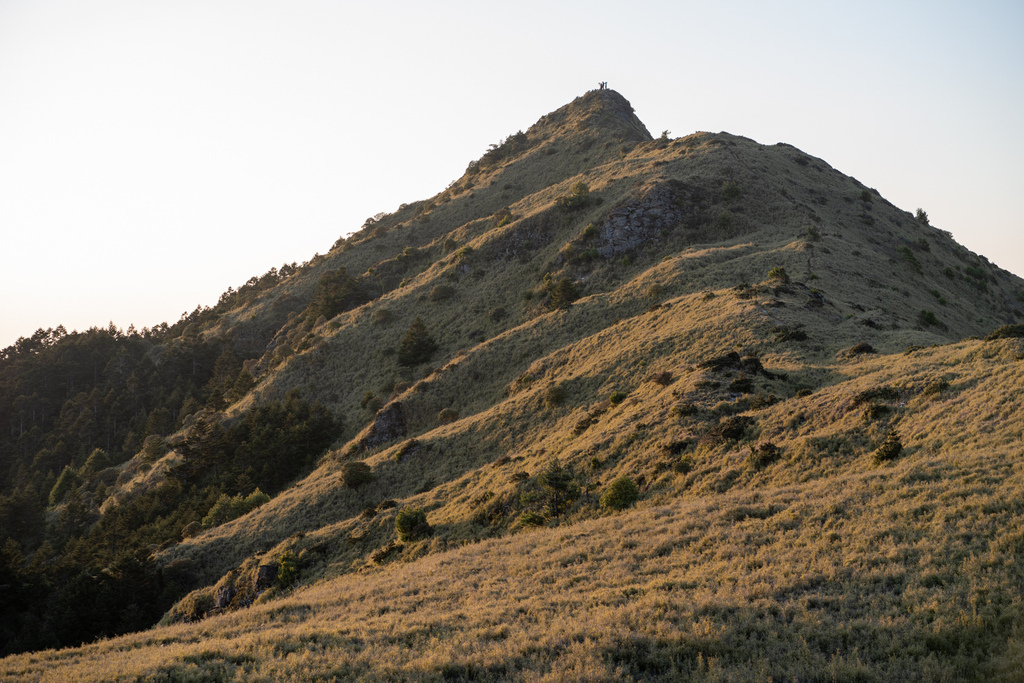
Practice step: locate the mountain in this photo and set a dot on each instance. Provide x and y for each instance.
(609, 406)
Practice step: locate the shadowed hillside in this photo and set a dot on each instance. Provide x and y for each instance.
(609, 406)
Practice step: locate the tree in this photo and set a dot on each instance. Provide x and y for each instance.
(560, 486)
(417, 346)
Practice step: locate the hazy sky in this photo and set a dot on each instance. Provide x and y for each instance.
(152, 154)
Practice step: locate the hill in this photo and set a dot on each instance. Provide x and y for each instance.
(609, 406)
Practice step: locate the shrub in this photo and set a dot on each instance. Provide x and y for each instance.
(447, 416)
(497, 314)
(929, 318)
(909, 257)
(663, 378)
(655, 291)
(730, 190)
(779, 273)
(228, 508)
(554, 395)
(382, 316)
(617, 397)
(355, 474)
(1006, 332)
(411, 524)
(578, 198)
(813, 233)
(287, 569)
(531, 519)
(620, 494)
(442, 293)
(763, 455)
(590, 231)
(922, 216)
(416, 346)
(890, 449)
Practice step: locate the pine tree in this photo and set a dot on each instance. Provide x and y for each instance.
(417, 346)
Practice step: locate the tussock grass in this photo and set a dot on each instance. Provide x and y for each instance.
(739, 562)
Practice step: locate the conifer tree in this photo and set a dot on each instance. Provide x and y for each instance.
(417, 346)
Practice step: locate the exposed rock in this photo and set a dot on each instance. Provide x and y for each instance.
(266, 575)
(388, 425)
(640, 222)
(223, 596)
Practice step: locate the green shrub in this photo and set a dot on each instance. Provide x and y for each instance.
(228, 508)
(617, 397)
(356, 474)
(411, 524)
(909, 257)
(447, 416)
(929, 318)
(620, 494)
(922, 216)
(562, 295)
(813, 233)
(778, 273)
(578, 198)
(287, 569)
(531, 519)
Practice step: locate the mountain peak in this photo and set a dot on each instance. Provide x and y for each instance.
(605, 112)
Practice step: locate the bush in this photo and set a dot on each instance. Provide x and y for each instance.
(531, 519)
(929, 318)
(287, 569)
(617, 397)
(447, 416)
(663, 378)
(578, 198)
(442, 293)
(355, 474)
(228, 508)
(922, 216)
(763, 455)
(620, 494)
(779, 273)
(411, 524)
(554, 395)
(890, 449)
(1006, 332)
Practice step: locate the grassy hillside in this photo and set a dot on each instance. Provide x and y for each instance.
(783, 377)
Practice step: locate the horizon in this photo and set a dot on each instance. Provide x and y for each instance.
(156, 156)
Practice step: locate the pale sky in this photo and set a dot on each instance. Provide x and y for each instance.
(152, 154)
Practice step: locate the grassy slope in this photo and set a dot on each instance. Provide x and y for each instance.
(819, 560)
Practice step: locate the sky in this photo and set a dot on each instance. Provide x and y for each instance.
(153, 154)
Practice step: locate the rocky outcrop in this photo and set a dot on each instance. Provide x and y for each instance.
(388, 425)
(266, 575)
(639, 222)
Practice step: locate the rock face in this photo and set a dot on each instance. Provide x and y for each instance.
(639, 222)
(388, 425)
(222, 598)
(266, 575)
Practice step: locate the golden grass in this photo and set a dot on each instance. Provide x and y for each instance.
(821, 565)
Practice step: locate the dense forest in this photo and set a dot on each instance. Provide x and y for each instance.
(77, 405)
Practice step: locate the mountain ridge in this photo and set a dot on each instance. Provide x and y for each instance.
(737, 329)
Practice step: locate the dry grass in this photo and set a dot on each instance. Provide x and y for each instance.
(813, 564)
